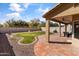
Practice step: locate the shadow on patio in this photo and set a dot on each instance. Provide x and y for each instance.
(55, 38)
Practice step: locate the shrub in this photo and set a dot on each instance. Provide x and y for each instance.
(55, 31)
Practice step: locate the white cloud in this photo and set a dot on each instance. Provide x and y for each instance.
(12, 15)
(43, 11)
(42, 19)
(26, 5)
(16, 7)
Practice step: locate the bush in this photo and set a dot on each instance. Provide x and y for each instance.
(55, 31)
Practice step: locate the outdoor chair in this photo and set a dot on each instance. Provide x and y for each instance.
(67, 34)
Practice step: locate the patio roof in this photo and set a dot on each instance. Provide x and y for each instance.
(63, 12)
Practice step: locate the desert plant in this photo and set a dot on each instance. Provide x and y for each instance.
(55, 31)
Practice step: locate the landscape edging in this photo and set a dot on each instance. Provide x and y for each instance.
(27, 44)
(21, 38)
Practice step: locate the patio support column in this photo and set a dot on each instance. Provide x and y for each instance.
(72, 29)
(47, 30)
(60, 29)
(65, 27)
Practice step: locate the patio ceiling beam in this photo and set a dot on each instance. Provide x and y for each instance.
(59, 21)
(63, 9)
(69, 10)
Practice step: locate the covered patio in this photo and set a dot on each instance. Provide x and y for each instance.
(63, 13)
(56, 44)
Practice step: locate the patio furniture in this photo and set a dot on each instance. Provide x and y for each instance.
(67, 34)
(77, 35)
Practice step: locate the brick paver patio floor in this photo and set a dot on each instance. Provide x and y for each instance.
(43, 48)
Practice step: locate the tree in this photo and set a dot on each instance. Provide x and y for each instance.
(53, 24)
(42, 24)
(21, 23)
(10, 23)
(17, 23)
(34, 23)
(1, 25)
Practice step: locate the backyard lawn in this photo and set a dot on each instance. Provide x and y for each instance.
(29, 36)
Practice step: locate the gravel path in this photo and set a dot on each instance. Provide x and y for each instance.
(22, 50)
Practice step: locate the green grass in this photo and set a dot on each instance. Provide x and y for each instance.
(28, 36)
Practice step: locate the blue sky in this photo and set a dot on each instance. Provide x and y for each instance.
(25, 11)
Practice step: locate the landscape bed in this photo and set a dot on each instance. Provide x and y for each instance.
(29, 37)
